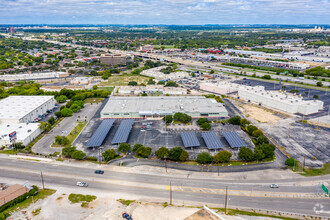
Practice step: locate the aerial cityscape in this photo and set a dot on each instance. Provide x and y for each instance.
(165, 110)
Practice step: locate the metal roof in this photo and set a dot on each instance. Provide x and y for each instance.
(211, 140)
(234, 140)
(100, 133)
(190, 139)
(123, 131)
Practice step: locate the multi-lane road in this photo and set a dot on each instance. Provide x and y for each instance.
(293, 196)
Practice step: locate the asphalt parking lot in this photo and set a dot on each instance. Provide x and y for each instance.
(159, 137)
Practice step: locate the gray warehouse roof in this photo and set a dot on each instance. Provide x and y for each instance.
(100, 133)
(234, 140)
(190, 139)
(123, 131)
(163, 104)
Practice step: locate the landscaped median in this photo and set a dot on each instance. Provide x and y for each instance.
(65, 141)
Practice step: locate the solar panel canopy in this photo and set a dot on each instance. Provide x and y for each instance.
(190, 139)
(211, 140)
(234, 140)
(100, 133)
(123, 131)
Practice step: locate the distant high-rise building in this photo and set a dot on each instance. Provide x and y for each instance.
(11, 30)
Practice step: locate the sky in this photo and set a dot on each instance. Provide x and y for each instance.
(182, 12)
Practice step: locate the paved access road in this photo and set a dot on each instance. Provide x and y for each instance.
(43, 146)
(290, 197)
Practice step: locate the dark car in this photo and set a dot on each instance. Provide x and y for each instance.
(99, 171)
(127, 216)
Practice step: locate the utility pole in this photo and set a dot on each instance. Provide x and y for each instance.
(218, 170)
(170, 193)
(304, 163)
(226, 200)
(42, 180)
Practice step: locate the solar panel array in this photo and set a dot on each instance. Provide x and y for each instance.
(100, 133)
(234, 140)
(123, 131)
(190, 139)
(211, 140)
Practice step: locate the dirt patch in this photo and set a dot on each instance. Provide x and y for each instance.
(260, 114)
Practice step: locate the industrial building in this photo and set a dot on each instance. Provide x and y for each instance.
(24, 109)
(32, 76)
(279, 100)
(158, 75)
(221, 87)
(25, 133)
(81, 80)
(150, 90)
(158, 106)
(113, 59)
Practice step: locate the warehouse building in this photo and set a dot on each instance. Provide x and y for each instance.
(221, 87)
(25, 133)
(157, 107)
(279, 100)
(24, 109)
(151, 90)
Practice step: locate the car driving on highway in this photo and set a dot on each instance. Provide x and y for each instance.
(82, 184)
(273, 186)
(99, 171)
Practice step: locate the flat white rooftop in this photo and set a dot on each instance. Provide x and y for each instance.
(23, 131)
(164, 104)
(16, 107)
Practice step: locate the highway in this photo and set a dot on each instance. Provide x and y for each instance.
(292, 196)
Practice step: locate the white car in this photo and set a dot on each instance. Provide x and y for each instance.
(83, 184)
(273, 186)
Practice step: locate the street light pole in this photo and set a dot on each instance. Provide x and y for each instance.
(170, 193)
(226, 200)
(42, 180)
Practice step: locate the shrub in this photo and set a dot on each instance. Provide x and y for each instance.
(162, 153)
(168, 119)
(109, 155)
(61, 140)
(251, 128)
(204, 158)
(68, 151)
(202, 121)
(91, 158)
(245, 154)
(257, 133)
(244, 122)
(235, 120)
(175, 153)
(136, 147)
(290, 162)
(78, 154)
(222, 157)
(184, 156)
(143, 151)
(124, 147)
(261, 140)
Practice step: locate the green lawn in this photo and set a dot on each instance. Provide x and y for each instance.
(165, 46)
(77, 198)
(43, 193)
(106, 88)
(124, 79)
(93, 100)
(317, 172)
(7, 152)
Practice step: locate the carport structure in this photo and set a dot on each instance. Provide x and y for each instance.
(234, 140)
(189, 139)
(100, 133)
(212, 141)
(123, 131)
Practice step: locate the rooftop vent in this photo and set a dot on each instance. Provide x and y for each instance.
(29, 130)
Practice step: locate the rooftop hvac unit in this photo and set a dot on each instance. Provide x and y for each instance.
(20, 127)
(29, 130)
(8, 125)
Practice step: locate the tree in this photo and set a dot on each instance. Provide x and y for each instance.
(267, 149)
(319, 84)
(68, 151)
(151, 82)
(212, 72)
(235, 120)
(109, 154)
(75, 108)
(65, 112)
(251, 128)
(182, 117)
(132, 83)
(78, 154)
(144, 94)
(61, 140)
(95, 87)
(206, 126)
(290, 162)
(257, 133)
(184, 156)
(51, 120)
(266, 77)
(162, 153)
(204, 158)
(315, 97)
(245, 154)
(222, 157)
(124, 147)
(168, 119)
(45, 126)
(201, 121)
(136, 147)
(244, 122)
(161, 83)
(171, 84)
(261, 140)
(175, 153)
(61, 98)
(58, 114)
(258, 154)
(144, 151)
